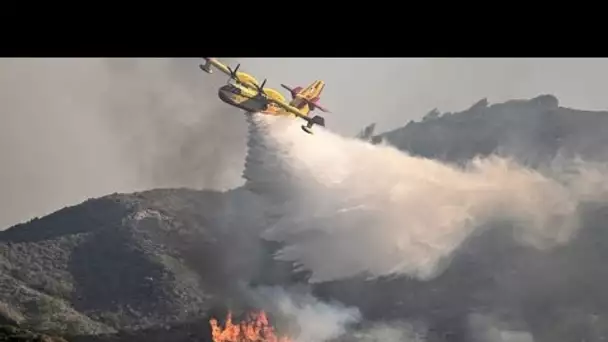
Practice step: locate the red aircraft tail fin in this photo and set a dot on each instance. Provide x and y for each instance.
(312, 103)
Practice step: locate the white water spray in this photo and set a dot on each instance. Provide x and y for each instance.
(344, 207)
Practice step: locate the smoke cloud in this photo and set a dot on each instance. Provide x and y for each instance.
(346, 207)
(313, 320)
(78, 128)
(390, 332)
(486, 328)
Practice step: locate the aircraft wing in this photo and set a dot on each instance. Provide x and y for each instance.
(217, 64)
(295, 111)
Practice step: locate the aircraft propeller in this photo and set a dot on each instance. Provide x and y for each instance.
(233, 72)
(260, 88)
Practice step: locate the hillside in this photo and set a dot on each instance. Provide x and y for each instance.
(159, 263)
(534, 131)
(13, 334)
(121, 261)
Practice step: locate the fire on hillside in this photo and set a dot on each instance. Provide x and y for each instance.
(255, 328)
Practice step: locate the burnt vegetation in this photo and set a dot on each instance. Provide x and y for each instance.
(156, 265)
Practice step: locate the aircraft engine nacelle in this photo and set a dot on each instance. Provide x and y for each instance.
(246, 78)
(274, 94)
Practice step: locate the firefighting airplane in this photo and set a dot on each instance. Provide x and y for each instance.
(244, 92)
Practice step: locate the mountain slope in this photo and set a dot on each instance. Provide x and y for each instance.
(121, 261)
(533, 131)
(172, 257)
(13, 334)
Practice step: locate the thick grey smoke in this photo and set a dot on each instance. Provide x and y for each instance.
(78, 128)
(488, 328)
(349, 207)
(391, 332)
(316, 321)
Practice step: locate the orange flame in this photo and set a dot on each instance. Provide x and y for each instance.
(254, 329)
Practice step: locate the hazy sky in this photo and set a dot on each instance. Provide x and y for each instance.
(78, 128)
(393, 91)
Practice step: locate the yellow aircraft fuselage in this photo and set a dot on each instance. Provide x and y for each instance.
(245, 93)
(250, 101)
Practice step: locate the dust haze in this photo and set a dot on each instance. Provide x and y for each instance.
(78, 128)
(349, 208)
